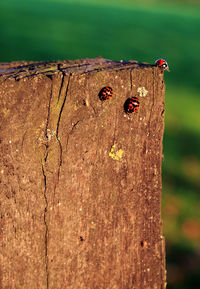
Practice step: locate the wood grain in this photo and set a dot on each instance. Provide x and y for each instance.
(80, 178)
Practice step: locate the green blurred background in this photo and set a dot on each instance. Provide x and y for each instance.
(143, 31)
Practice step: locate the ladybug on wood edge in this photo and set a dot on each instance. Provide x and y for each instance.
(162, 63)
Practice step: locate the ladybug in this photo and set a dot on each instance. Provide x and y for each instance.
(131, 104)
(105, 93)
(162, 63)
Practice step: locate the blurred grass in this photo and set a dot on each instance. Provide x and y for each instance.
(145, 31)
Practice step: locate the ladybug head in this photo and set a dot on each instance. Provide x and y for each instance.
(162, 63)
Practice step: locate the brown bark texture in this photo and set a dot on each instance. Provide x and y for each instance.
(80, 178)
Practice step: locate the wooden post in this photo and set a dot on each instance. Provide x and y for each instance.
(80, 177)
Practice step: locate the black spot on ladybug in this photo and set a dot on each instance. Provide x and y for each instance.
(105, 93)
(81, 239)
(131, 104)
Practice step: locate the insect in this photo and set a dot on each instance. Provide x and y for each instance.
(131, 104)
(162, 63)
(105, 93)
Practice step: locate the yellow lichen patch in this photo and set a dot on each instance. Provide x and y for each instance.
(142, 91)
(50, 134)
(116, 154)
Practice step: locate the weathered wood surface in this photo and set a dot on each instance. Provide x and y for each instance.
(80, 178)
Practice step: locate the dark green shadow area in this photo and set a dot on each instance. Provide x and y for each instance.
(183, 268)
(181, 214)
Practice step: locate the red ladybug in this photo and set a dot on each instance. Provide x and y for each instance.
(131, 104)
(162, 63)
(105, 93)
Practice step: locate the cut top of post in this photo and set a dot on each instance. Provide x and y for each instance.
(19, 70)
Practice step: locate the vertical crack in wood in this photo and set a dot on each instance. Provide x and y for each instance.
(61, 86)
(131, 79)
(59, 117)
(49, 110)
(46, 228)
(45, 189)
(45, 162)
